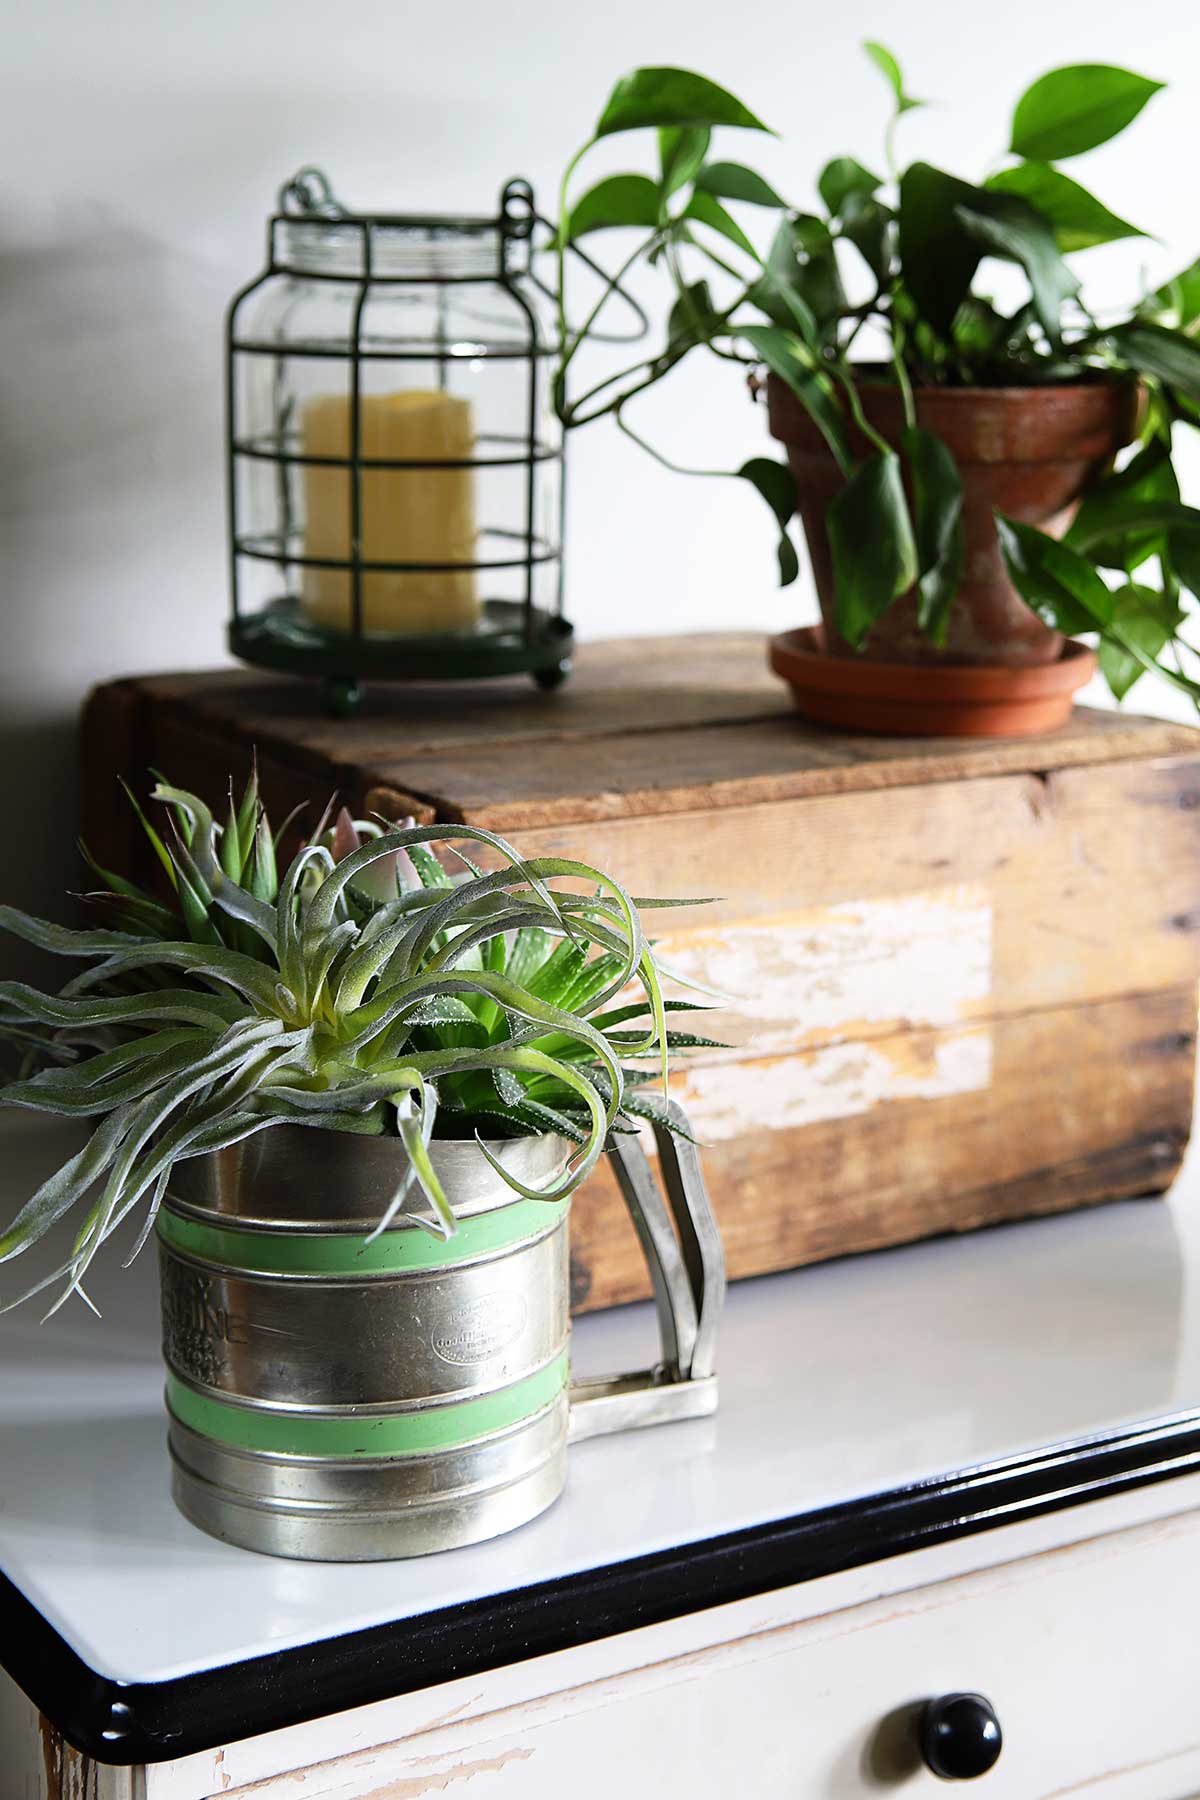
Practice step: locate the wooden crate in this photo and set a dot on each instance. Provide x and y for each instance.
(965, 972)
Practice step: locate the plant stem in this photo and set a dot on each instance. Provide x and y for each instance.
(612, 406)
(889, 144)
(568, 417)
(561, 237)
(705, 336)
(856, 411)
(904, 384)
(611, 284)
(675, 468)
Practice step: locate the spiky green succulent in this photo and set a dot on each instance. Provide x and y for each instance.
(366, 989)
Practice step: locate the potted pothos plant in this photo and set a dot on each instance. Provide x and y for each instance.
(354, 1097)
(952, 459)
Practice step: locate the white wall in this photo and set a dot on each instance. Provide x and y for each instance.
(143, 141)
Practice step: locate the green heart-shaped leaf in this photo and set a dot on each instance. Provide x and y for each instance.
(1176, 304)
(733, 181)
(1073, 109)
(886, 63)
(1005, 225)
(1169, 355)
(872, 546)
(844, 176)
(1078, 218)
(672, 97)
(938, 258)
(681, 151)
(774, 482)
(1054, 580)
(617, 200)
(937, 520)
(1143, 618)
(706, 210)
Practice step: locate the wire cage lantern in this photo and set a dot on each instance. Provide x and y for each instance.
(395, 465)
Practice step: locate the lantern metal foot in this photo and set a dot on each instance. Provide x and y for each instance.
(553, 676)
(341, 697)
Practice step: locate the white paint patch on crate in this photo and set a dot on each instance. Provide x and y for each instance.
(838, 1081)
(859, 968)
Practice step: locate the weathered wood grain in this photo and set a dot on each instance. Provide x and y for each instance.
(654, 725)
(846, 916)
(705, 768)
(962, 976)
(1073, 1105)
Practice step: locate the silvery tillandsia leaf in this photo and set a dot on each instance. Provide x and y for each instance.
(362, 989)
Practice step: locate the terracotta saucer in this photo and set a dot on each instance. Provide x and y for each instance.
(928, 699)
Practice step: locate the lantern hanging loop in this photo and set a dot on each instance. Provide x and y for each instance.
(310, 193)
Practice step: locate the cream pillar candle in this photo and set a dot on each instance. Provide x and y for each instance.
(408, 515)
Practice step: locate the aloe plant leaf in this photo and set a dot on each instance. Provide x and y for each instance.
(249, 814)
(59, 1193)
(242, 905)
(164, 920)
(600, 1116)
(93, 1091)
(372, 1006)
(160, 850)
(61, 940)
(198, 853)
(264, 871)
(229, 848)
(325, 901)
(165, 1006)
(209, 961)
(147, 1117)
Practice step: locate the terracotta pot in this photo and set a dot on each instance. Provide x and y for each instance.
(1031, 452)
(924, 700)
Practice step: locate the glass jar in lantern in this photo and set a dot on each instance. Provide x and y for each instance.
(395, 463)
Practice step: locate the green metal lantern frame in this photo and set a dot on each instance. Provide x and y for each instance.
(516, 636)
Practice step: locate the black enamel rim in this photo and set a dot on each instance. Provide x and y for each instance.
(124, 1723)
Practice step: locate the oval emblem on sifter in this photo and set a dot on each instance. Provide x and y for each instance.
(481, 1329)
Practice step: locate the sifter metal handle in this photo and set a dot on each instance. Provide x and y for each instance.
(687, 1272)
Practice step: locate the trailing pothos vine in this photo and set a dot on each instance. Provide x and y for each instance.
(915, 244)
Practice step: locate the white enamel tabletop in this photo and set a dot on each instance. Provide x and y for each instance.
(839, 1381)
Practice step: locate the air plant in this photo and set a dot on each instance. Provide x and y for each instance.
(363, 990)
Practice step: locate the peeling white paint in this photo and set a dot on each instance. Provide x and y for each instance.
(854, 969)
(839, 1081)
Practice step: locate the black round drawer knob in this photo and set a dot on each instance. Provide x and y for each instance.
(960, 1736)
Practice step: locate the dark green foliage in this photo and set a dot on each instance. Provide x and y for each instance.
(895, 271)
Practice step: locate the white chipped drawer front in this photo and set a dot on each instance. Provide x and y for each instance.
(1089, 1656)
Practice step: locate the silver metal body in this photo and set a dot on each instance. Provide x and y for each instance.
(334, 1398)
